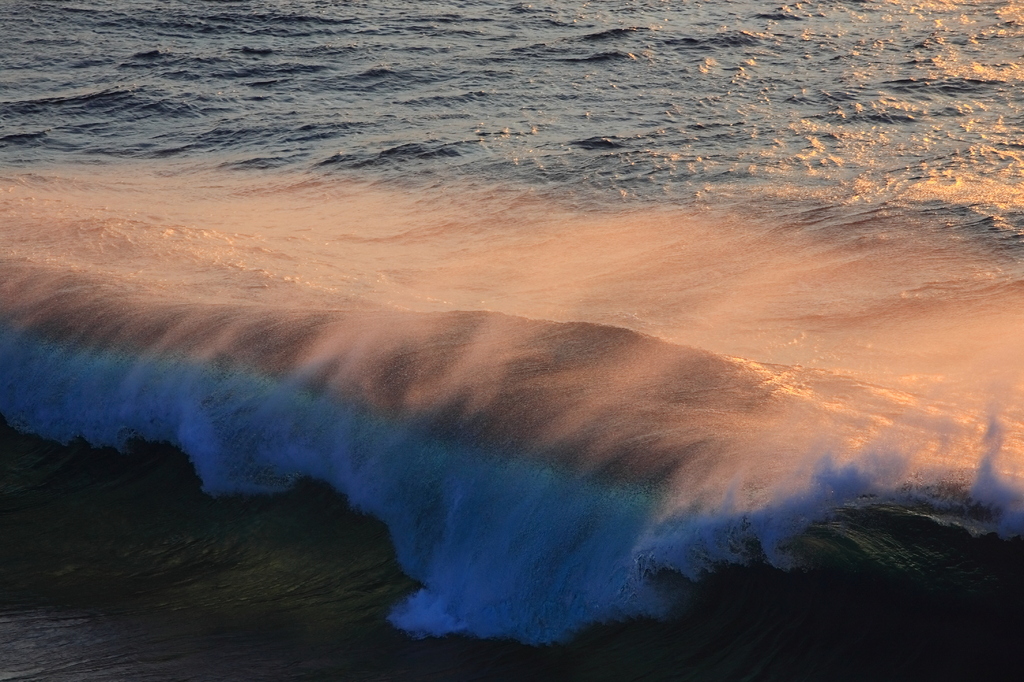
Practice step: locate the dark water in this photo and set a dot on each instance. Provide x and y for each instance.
(476, 340)
(117, 566)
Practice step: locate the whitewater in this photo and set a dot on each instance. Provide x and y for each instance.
(590, 307)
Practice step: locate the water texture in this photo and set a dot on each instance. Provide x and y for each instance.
(631, 340)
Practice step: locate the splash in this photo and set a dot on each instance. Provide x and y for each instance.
(538, 466)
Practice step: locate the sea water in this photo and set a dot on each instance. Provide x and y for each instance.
(429, 340)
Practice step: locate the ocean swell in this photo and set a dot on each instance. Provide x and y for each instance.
(535, 477)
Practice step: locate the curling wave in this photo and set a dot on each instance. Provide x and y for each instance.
(535, 476)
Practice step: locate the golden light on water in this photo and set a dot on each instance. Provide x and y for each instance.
(888, 350)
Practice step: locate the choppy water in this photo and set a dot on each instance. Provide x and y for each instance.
(554, 340)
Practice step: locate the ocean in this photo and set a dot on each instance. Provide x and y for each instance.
(476, 340)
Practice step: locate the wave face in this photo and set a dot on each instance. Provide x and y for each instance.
(518, 522)
(636, 321)
(535, 476)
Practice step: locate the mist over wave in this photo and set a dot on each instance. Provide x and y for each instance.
(535, 476)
